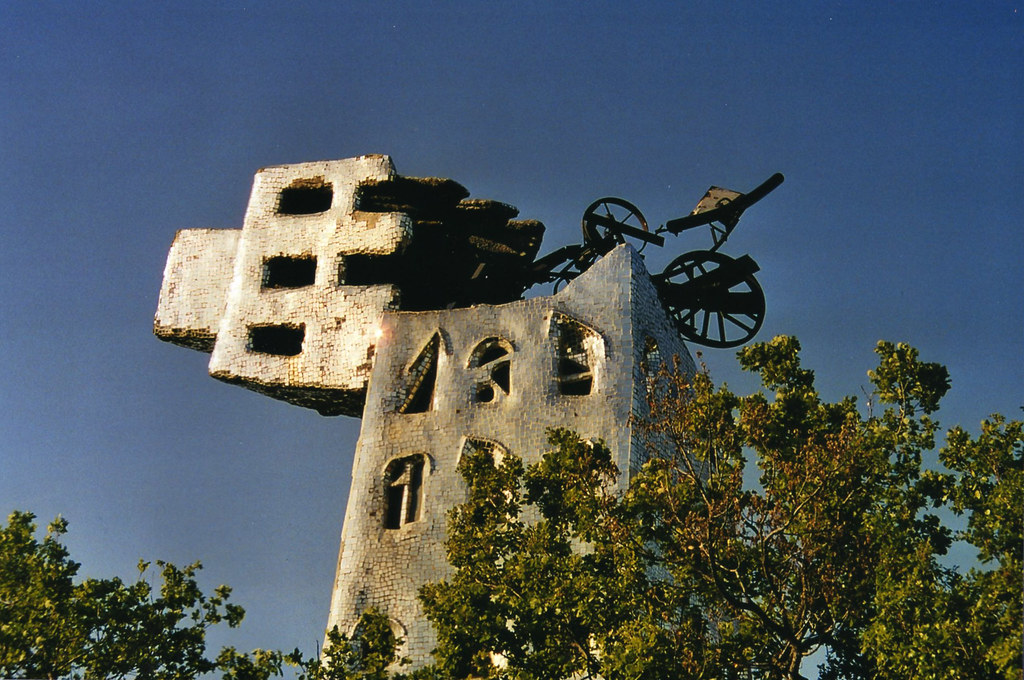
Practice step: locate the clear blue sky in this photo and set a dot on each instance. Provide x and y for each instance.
(897, 125)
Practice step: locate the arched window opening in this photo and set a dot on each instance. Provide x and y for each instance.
(367, 631)
(477, 445)
(422, 379)
(577, 349)
(403, 489)
(492, 358)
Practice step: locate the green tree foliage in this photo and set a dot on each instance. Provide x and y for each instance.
(367, 655)
(54, 627)
(693, 573)
(690, 572)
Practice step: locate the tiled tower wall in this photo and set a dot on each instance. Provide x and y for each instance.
(338, 321)
(501, 374)
(216, 288)
(615, 299)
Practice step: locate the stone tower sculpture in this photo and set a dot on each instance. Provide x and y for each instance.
(355, 291)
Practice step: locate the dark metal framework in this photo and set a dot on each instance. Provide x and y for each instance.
(714, 299)
(469, 251)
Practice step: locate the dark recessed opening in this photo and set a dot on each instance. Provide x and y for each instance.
(422, 394)
(569, 367)
(289, 272)
(575, 373)
(490, 353)
(575, 379)
(576, 387)
(422, 376)
(305, 197)
(403, 481)
(283, 340)
(367, 270)
(652, 356)
(419, 197)
(500, 376)
(393, 518)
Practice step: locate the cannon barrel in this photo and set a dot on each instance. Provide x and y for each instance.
(730, 211)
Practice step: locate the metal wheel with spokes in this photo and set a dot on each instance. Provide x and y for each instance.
(713, 299)
(610, 220)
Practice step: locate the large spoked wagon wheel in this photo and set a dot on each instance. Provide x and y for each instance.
(606, 220)
(714, 299)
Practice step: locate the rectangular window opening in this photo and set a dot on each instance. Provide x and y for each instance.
(403, 482)
(367, 270)
(577, 386)
(279, 340)
(396, 494)
(287, 271)
(305, 197)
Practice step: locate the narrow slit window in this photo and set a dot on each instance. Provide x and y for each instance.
(280, 340)
(403, 487)
(652, 356)
(651, 364)
(422, 378)
(576, 346)
(306, 197)
(287, 271)
(492, 359)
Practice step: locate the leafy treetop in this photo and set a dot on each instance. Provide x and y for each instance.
(690, 573)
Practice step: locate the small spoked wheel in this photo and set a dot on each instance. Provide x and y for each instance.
(603, 216)
(713, 300)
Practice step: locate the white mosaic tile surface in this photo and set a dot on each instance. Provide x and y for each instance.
(358, 355)
(210, 291)
(385, 567)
